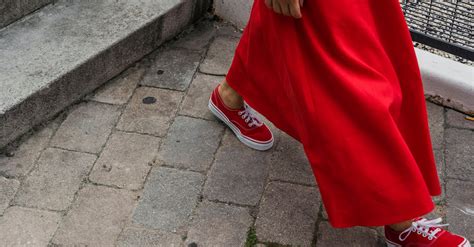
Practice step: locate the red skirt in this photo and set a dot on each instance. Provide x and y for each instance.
(345, 82)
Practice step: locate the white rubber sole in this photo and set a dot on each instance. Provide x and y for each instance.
(463, 244)
(391, 244)
(245, 140)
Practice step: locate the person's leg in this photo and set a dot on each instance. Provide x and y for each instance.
(401, 226)
(228, 106)
(230, 97)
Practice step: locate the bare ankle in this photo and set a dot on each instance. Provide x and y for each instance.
(401, 226)
(230, 97)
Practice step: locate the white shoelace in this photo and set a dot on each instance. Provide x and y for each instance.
(249, 116)
(423, 227)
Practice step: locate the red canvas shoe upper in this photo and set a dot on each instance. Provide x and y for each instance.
(424, 233)
(242, 121)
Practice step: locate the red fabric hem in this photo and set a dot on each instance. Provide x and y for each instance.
(386, 219)
(235, 76)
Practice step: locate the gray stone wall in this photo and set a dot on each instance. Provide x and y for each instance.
(235, 11)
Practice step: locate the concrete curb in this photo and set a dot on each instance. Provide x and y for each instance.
(70, 83)
(447, 82)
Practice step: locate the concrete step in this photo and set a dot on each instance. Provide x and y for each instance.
(447, 82)
(57, 55)
(12, 10)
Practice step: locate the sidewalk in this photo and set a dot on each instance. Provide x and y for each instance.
(142, 162)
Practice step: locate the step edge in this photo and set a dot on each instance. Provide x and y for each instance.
(162, 34)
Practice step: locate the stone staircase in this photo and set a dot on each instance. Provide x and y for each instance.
(12, 10)
(52, 57)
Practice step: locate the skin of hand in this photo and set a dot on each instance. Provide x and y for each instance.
(286, 7)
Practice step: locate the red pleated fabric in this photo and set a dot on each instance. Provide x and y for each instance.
(344, 81)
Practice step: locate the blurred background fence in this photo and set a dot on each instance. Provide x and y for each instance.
(444, 25)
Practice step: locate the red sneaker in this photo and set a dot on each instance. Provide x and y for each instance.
(424, 233)
(243, 122)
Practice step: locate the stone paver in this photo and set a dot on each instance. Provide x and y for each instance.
(169, 198)
(172, 68)
(126, 160)
(436, 121)
(460, 210)
(354, 237)
(54, 182)
(457, 119)
(460, 153)
(153, 118)
(219, 56)
(119, 90)
(8, 188)
(27, 153)
(238, 174)
(289, 162)
(325, 213)
(198, 37)
(440, 161)
(141, 237)
(195, 103)
(87, 127)
(96, 218)
(436, 124)
(218, 224)
(440, 164)
(27, 227)
(439, 212)
(226, 28)
(191, 144)
(288, 214)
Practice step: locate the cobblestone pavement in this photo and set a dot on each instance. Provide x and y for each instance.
(142, 162)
